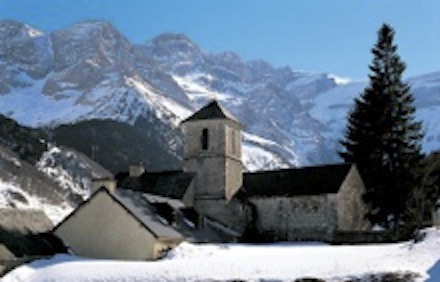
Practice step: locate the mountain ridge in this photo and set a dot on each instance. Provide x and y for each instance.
(90, 71)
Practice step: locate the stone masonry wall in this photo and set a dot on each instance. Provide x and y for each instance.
(232, 214)
(351, 208)
(296, 218)
(218, 167)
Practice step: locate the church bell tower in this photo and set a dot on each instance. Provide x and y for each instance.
(212, 151)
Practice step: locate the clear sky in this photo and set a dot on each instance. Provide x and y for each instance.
(332, 36)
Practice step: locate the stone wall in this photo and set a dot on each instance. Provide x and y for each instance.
(210, 180)
(221, 138)
(234, 178)
(218, 166)
(232, 214)
(351, 208)
(296, 218)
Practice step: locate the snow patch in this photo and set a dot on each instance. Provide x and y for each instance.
(339, 80)
(12, 196)
(197, 91)
(255, 158)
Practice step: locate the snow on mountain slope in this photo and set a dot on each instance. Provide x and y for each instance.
(90, 71)
(59, 182)
(331, 108)
(72, 171)
(13, 196)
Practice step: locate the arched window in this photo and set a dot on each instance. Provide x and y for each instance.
(205, 139)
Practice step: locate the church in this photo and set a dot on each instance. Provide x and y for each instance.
(212, 199)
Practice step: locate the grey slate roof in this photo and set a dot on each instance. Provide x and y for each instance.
(24, 221)
(25, 232)
(295, 182)
(212, 111)
(137, 204)
(170, 184)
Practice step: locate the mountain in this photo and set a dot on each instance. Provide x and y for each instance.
(28, 143)
(35, 174)
(59, 181)
(127, 144)
(126, 100)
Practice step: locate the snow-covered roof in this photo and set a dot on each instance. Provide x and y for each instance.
(139, 206)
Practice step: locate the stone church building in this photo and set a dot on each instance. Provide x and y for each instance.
(311, 203)
(213, 199)
(292, 204)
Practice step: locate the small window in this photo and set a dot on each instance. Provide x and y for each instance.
(205, 139)
(234, 142)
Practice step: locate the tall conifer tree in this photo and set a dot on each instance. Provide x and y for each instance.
(382, 136)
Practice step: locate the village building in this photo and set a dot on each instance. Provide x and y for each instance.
(24, 236)
(212, 199)
(293, 204)
(117, 226)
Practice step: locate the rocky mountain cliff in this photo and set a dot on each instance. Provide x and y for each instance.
(71, 78)
(35, 174)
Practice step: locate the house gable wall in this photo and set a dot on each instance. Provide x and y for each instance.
(102, 228)
(351, 208)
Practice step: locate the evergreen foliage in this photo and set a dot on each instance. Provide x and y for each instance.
(26, 142)
(382, 136)
(426, 197)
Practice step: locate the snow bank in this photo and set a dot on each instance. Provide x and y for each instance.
(279, 262)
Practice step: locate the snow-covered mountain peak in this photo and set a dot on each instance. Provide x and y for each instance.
(95, 41)
(229, 57)
(339, 80)
(85, 28)
(14, 30)
(173, 42)
(90, 71)
(173, 46)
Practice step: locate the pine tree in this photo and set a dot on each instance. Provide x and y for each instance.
(382, 136)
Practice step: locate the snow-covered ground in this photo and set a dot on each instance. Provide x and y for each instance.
(266, 262)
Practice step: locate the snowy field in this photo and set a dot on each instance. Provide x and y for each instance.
(266, 262)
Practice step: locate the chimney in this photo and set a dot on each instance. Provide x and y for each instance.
(108, 183)
(137, 170)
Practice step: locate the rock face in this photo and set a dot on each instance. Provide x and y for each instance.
(32, 175)
(90, 71)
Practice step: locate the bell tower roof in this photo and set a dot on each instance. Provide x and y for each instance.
(212, 111)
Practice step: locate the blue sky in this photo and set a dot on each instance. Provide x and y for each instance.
(332, 36)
